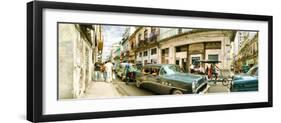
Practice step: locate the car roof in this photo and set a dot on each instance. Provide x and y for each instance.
(210, 61)
(157, 65)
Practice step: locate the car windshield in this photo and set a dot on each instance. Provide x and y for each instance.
(252, 71)
(172, 69)
(133, 68)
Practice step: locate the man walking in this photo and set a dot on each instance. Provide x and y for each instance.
(108, 70)
(103, 72)
(97, 71)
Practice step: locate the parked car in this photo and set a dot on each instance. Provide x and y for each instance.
(169, 79)
(247, 81)
(131, 72)
(120, 68)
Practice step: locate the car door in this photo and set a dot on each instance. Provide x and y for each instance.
(162, 82)
(147, 79)
(144, 77)
(252, 84)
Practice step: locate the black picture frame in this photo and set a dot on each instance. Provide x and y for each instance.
(35, 69)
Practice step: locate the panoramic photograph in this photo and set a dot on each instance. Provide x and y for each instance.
(97, 61)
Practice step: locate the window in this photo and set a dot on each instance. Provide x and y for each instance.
(181, 49)
(177, 62)
(213, 57)
(165, 52)
(253, 71)
(140, 55)
(145, 34)
(178, 49)
(195, 60)
(145, 53)
(162, 71)
(139, 37)
(153, 51)
(146, 70)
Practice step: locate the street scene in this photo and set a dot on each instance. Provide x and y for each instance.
(113, 61)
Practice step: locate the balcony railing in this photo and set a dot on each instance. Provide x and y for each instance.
(147, 41)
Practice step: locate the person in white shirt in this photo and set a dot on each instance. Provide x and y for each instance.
(201, 69)
(191, 68)
(108, 70)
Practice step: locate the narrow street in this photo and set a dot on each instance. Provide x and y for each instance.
(118, 88)
(161, 56)
(131, 89)
(218, 88)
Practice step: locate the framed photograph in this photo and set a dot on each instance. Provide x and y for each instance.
(94, 61)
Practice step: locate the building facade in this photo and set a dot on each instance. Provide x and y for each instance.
(183, 47)
(76, 56)
(146, 49)
(247, 53)
(186, 47)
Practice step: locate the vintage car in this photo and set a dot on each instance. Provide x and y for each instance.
(169, 79)
(246, 82)
(121, 71)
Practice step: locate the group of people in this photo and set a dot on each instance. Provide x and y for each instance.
(103, 71)
(211, 70)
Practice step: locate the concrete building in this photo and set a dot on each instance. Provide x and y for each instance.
(98, 44)
(126, 46)
(185, 46)
(247, 52)
(115, 52)
(146, 48)
(76, 56)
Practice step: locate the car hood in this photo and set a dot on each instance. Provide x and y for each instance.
(243, 77)
(183, 77)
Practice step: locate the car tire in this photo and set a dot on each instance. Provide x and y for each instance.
(138, 84)
(177, 92)
(225, 82)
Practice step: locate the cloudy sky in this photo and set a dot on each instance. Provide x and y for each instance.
(111, 35)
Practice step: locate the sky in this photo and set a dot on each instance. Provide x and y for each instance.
(112, 34)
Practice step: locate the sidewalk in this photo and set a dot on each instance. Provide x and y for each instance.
(101, 90)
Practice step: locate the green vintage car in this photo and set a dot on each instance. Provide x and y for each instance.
(246, 82)
(169, 79)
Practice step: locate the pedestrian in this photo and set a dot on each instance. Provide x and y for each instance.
(127, 67)
(191, 68)
(97, 71)
(210, 72)
(102, 69)
(201, 69)
(108, 70)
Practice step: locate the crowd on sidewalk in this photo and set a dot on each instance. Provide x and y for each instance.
(104, 72)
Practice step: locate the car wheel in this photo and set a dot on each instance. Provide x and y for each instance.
(138, 84)
(177, 92)
(225, 82)
(203, 89)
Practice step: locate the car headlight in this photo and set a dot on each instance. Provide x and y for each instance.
(194, 85)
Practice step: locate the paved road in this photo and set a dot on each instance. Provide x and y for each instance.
(130, 89)
(218, 88)
(116, 89)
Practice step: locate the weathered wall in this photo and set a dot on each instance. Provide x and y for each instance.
(67, 34)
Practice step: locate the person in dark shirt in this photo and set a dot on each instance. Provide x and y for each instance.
(97, 71)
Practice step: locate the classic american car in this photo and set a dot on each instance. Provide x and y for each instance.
(121, 71)
(246, 82)
(169, 79)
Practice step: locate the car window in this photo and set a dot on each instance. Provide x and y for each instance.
(172, 69)
(146, 70)
(252, 71)
(257, 72)
(162, 71)
(154, 71)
